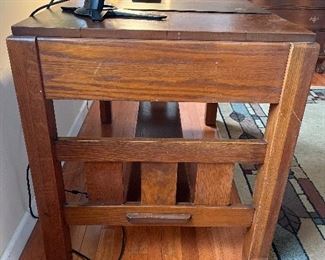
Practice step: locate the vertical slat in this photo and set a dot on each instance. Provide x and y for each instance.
(105, 108)
(210, 183)
(211, 114)
(107, 182)
(104, 182)
(158, 183)
(281, 135)
(213, 184)
(38, 119)
(158, 180)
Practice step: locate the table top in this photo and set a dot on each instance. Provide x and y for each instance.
(233, 20)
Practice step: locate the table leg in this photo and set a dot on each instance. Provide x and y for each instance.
(281, 135)
(211, 114)
(105, 112)
(37, 115)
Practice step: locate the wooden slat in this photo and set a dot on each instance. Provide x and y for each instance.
(108, 181)
(162, 70)
(201, 216)
(105, 182)
(160, 150)
(281, 133)
(213, 184)
(158, 180)
(210, 183)
(158, 183)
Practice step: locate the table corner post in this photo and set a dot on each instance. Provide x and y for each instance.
(38, 121)
(281, 134)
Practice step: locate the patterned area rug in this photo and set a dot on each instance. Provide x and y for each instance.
(300, 232)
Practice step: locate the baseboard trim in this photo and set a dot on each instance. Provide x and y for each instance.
(80, 118)
(20, 237)
(27, 223)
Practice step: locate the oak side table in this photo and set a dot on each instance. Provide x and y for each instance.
(140, 71)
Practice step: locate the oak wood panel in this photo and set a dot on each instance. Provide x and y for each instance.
(162, 70)
(194, 127)
(158, 180)
(37, 115)
(201, 216)
(158, 183)
(214, 183)
(210, 183)
(105, 182)
(179, 26)
(160, 150)
(281, 133)
(108, 181)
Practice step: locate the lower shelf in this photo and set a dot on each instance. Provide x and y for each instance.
(170, 243)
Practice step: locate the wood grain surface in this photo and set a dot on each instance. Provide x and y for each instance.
(141, 242)
(158, 183)
(281, 134)
(162, 70)
(178, 26)
(108, 181)
(169, 150)
(202, 216)
(39, 137)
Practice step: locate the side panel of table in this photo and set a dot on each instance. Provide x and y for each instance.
(163, 70)
(160, 71)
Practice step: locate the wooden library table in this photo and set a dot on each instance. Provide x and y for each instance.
(158, 163)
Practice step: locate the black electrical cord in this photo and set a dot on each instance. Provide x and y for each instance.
(73, 192)
(47, 6)
(29, 194)
(36, 217)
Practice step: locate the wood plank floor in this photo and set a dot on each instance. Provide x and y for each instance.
(100, 242)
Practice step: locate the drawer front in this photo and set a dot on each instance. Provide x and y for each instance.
(163, 70)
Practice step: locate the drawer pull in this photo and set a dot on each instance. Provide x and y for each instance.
(150, 218)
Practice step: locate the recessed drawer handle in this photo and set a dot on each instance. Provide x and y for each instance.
(150, 218)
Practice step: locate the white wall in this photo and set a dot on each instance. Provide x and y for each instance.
(14, 218)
